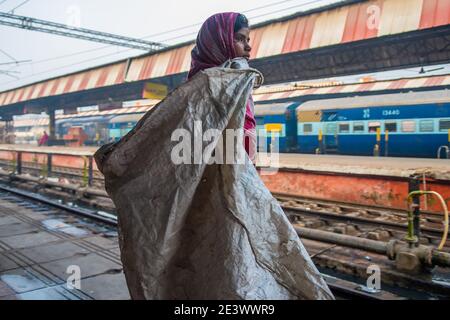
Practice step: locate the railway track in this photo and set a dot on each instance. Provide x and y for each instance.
(324, 255)
(373, 222)
(341, 287)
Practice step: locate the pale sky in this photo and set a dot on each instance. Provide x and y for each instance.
(53, 55)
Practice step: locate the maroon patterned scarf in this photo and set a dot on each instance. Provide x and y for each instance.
(214, 46)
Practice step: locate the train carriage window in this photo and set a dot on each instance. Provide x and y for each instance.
(408, 126)
(307, 128)
(344, 128)
(373, 126)
(358, 127)
(426, 125)
(444, 125)
(330, 128)
(390, 126)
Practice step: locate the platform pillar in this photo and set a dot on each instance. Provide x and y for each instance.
(52, 126)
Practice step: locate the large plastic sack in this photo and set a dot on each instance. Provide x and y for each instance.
(202, 231)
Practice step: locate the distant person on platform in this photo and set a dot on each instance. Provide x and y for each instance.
(43, 141)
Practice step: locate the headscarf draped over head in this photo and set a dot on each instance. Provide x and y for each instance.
(215, 42)
(214, 46)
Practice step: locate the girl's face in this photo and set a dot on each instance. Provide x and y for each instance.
(241, 43)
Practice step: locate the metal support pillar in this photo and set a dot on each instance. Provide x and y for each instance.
(91, 172)
(52, 127)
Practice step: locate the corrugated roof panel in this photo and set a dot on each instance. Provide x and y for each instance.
(21, 94)
(277, 95)
(36, 91)
(25, 94)
(435, 13)
(121, 73)
(329, 27)
(2, 98)
(7, 97)
(299, 34)
(54, 86)
(255, 41)
(177, 59)
(276, 33)
(48, 88)
(15, 96)
(135, 69)
(102, 76)
(427, 18)
(378, 101)
(400, 16)
(362, 21)
(43, 89)
(416, 82)
(398, 84)
(186, 66)
(161, 65)
(446, 81)
(147, 67)
(435, 81)
(93, 78)
(61, 85)
(25, 91)
(11, 97)
(442, 13)
(111, 76)
(336, 89)
(76, 82)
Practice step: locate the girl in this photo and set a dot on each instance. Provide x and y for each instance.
(222, 37)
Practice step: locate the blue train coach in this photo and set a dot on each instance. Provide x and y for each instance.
(413, 124)
(277, 124)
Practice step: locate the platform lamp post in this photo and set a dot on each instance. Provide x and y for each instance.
(52, 125)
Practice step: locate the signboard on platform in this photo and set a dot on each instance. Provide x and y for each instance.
(155, 91)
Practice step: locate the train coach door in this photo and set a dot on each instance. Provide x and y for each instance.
(330, 137)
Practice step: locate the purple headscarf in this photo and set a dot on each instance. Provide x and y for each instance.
(215, 42)
(214, 46)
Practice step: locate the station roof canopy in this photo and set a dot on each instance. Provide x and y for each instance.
(272, 109)
(384, 100)
(327, 41)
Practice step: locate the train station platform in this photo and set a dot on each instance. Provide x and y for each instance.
(387, 166)
(381, 166)
(371, 181)
(42, 249)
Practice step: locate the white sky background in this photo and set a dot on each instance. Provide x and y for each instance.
(133, 18)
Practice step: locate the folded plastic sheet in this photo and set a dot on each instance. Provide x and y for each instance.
(202, 231)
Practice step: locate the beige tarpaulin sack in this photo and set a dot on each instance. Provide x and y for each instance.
(199, 231)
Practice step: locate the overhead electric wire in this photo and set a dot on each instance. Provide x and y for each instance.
(161, 33)
(8, 55)
(20, 5)
(154, 35)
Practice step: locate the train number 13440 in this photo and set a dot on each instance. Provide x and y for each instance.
(391, 112)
